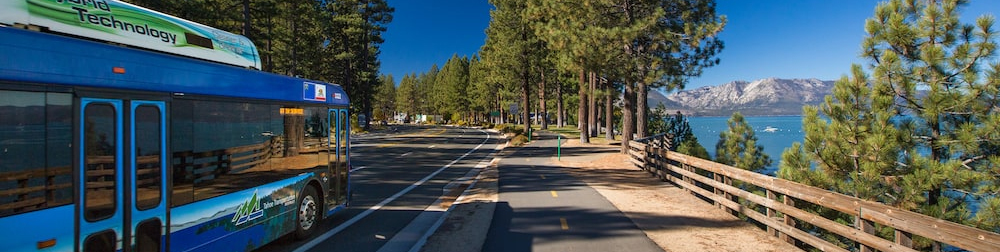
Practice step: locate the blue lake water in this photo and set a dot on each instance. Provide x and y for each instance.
(784, 131)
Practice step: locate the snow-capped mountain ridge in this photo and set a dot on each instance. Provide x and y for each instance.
(771, 96)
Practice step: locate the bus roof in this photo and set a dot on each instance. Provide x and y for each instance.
(127, 24)
(29, 56)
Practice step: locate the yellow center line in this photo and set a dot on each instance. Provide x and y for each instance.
(439, 132)
(565, 225)
(554, 194)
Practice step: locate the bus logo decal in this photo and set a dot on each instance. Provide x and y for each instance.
(248, 211)
(313, 92)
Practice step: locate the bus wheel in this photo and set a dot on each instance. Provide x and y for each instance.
(308, 214)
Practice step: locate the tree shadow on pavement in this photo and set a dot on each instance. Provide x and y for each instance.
(500, 238)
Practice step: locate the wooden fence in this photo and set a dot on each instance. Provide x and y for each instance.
(778, 212)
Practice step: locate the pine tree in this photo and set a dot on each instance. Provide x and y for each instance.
(682, 138)
(920, 133)
(422, 93)
(450, 99)
(479, 91)
(857, 142)
(406, 96)
(353, 39)
(385, 98)
(738, 147)
(512, 51)
(936, 66)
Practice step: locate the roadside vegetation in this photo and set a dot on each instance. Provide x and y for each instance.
(917, 126)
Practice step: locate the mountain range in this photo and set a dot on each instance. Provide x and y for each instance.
(766, 97)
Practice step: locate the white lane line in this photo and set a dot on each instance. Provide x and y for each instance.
(406, 154)
(378, 206)
(432, 146)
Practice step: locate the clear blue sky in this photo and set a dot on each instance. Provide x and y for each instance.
(770, 38)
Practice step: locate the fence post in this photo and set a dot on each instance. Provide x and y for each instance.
(729, 182)
(771, 214)
(867, 227)
(718, 178)
(788, 221)
(687, 179)
(730, 197)
(646, 152)
(904, 238)
(657, 168)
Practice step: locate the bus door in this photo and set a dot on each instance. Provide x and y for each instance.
(340, 145)
(122, 175)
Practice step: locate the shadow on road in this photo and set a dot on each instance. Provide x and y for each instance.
(500, 238)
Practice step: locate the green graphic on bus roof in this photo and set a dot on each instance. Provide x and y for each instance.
(128, 24)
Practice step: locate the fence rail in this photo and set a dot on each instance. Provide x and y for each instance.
(778, 211)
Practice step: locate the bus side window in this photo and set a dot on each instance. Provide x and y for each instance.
(35, 150)
(232, 151)
(303, 146)
(182, 143)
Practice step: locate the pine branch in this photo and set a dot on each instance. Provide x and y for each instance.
(965, 163)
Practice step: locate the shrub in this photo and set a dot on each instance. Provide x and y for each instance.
(509, 128)
(518, 140)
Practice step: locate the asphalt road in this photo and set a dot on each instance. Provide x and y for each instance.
(541, 208)
(396, 178)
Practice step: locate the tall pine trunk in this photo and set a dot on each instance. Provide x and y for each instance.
(628, 116)
(246, 18)
(628, 110)
(559, 106)
(541, 102)
(582, 111)
(592, 98)
(641, 109)
(525, 86)
(609, 112)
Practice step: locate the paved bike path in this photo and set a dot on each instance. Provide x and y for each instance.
(542, 208)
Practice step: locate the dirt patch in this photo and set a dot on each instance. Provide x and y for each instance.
(673, 218)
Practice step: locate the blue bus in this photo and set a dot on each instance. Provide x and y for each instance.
(125, 129)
